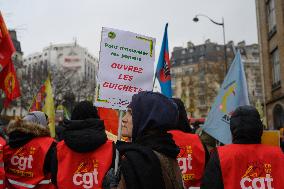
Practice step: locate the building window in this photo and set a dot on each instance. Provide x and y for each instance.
(271, 15)
(278, 116)
(202, 75)
(202, 100)
(188, 71)
(183, 52)
(173, 83)
(217, 48)
(275, 68)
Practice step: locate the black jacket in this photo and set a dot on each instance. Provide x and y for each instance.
(81, 136)
(246, 128)
(60, 128)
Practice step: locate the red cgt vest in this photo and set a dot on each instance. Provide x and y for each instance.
(191, 158)
(83, 170)
(24, 165)
(251, 166)
(2, 171)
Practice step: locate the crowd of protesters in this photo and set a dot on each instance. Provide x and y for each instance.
(161, 151)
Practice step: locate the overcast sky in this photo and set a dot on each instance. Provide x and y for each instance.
(41, 22)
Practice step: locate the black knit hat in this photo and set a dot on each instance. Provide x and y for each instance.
(84, 110)
(246, 125)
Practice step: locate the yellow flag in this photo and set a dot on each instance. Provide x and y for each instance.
(48, 107)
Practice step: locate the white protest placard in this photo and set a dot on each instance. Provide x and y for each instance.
(126, 67)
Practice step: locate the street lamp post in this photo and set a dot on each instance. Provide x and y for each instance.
(196, 19)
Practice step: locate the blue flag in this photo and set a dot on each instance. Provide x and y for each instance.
(163, 73)
(233, 93)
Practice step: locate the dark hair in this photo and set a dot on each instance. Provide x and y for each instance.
(182, 124)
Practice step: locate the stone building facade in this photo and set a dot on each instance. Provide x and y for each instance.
(270, 21)
(198, 72)
(73, 72)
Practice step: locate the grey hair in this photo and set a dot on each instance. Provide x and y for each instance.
(36, 117)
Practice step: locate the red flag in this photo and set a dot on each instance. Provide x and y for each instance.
(8, 78)
(9, 84)
(110, 118)
(6, 45)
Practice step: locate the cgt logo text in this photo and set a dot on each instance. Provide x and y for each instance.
(257, 183)
(22, 162)
(86, 179)
(185, 163)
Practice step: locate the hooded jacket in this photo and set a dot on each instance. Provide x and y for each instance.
(82, 111)
(20, 132)
(82, 135)
(150, 160)
(246, 128)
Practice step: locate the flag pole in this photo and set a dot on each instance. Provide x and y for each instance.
(155, 77)
(118, 138)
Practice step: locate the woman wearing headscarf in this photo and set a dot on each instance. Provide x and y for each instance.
(149, 160)
(27, 157)
(85, 154)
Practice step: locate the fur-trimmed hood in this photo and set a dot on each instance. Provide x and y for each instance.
(27, 128)
(21, 132)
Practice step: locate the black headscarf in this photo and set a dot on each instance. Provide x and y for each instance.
(246, 126)
(152, 110)
(84, 110)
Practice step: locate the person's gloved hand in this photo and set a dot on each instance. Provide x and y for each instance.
(113, 178)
